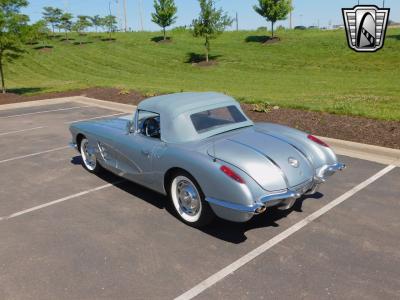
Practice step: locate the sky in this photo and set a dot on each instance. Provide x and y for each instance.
(306, 12)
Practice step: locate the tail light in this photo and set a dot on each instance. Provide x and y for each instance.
(317, 140)
(229, 172)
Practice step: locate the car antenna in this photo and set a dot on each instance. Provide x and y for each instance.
(215, 157)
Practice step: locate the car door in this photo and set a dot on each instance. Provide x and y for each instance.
(137, 153)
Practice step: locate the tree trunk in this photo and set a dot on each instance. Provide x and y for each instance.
(3, 85)
(207, 49)
(165, 35)
(272, 29)
(52, 27)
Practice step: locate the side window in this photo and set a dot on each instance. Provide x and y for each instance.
(149, 124)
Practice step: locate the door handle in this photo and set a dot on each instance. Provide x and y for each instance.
(146, 152)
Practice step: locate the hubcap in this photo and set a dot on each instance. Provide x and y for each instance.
(188, 197)
(88, 156)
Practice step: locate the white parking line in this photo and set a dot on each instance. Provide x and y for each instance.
(44, 111)
(32, 209)
(107, 116)
(23, 130)
(69, 122)
(33, 154)
(213, 279)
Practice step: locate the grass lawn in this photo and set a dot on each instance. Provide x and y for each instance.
(308, 69)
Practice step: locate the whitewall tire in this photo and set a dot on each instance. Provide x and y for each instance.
(188, 201)
(89, 160)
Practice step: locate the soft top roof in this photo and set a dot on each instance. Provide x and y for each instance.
(176, 104)
(175, 111)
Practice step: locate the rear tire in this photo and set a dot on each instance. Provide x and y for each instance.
(89, 160)
(188, 201)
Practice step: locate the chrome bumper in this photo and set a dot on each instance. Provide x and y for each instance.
(283, 200)
(327, 171)
(286, 199)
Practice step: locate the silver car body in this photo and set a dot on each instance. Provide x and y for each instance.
(278, 164)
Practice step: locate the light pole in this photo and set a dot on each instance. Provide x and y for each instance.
(141, 14)
(125, 17)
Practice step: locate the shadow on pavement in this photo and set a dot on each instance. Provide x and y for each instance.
(224, 230)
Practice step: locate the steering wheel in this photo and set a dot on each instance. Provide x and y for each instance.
(151, 127)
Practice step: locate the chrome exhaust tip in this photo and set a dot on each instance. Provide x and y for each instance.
(261, 210)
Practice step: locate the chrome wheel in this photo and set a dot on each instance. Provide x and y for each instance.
(88, 155)
(186, 199)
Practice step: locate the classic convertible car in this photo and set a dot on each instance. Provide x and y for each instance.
(208, 156)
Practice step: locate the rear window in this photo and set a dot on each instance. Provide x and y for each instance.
(214, 118)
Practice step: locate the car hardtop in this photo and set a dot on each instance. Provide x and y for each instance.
(175, 111)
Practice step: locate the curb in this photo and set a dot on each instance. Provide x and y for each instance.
(80, 99)
(106, 104)
(382, 155)
(372, 153)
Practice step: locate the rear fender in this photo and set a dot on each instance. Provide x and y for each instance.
(213, 182)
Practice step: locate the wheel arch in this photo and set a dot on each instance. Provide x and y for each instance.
(79, 138)
(168, 176)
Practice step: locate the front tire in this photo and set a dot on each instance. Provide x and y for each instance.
(89, 160)
(189, 202)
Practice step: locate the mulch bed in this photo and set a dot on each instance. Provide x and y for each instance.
(356, 129)
(272, 40)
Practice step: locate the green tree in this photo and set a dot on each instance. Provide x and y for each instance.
(165, 14)
(12, 31)
(81, 24)
(210, 23)
(96, 21)
(273, 10)
(110, 24)
(53, 16)
(36, 32)
(66, 23)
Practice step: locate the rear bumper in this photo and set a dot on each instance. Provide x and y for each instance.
(242, 213)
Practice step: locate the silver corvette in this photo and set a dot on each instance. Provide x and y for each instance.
(202, 151)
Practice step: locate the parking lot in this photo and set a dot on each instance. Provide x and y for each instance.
(67, 234)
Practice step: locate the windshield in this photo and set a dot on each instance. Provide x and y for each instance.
(214, 118)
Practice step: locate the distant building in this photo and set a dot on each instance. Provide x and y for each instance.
(338, 27)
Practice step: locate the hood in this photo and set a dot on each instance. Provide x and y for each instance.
(114, 123)
(271, 162)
